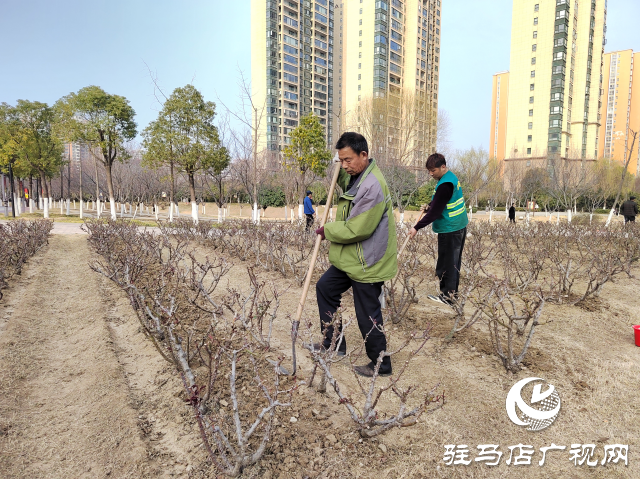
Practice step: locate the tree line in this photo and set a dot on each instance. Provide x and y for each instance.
(191, 153)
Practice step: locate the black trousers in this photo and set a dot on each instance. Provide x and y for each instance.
(629, 218)
(512, 219)
(309, 221)
(450, 246)
(366, 297)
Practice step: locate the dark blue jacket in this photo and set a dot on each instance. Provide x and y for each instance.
(308, 206)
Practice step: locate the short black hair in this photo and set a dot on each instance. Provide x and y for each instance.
(355, 141)
(309, 192)
(632, 197)
(435, 161)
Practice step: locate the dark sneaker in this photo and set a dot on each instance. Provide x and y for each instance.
(320, 347)
(367, 371)
(439, 299)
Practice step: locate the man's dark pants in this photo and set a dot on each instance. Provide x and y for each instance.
(450, 246)
(309, 221)
(366, 298)
(629, 218)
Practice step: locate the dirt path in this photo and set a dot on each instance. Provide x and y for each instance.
(65, 405)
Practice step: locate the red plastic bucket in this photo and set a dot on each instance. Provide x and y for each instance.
(637, 331)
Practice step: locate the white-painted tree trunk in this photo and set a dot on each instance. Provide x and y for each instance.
(170, 212)
(402, 218)
(46, 209)
(590, 218)
(527, 217)
(112, 204)
(569, 216)
(558, 218)
(506, 213)
(255, 217)
(40, 203)
(490, 215)
(74, 204)
(122, 207)
(98, 208)
(286, 210)
(331, 212)
(178, 210)
(219, 215)
(155, 209)
(30, 205)
(194, 212)
(293, 216)
(81, 208)
(610, 217)
(470, 213)
(300, 211)
(68, 207)
(61, 208)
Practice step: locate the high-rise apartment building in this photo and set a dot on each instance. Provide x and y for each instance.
(555, 79)
(392, 53)
(499, 109)
(621, 108)
(292, 66)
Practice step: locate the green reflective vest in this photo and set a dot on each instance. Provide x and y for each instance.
(454, 216)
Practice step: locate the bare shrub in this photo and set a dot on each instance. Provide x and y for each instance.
(512, 318)
(19, 240)
(372, 396)
(216, 341)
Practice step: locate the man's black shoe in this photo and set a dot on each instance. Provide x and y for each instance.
(368, 370)
(320, 347)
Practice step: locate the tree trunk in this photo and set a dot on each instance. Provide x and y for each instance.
(112, 200)
(192, 192)
(172, 192)
(30, 194)
(45, 194)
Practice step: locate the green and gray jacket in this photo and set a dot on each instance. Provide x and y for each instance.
(363, 237)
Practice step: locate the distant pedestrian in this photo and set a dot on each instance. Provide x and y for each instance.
(629, 209)
(448, 214)
(308, 209)
(512, 213)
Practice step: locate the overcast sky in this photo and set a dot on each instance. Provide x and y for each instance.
(51, 48)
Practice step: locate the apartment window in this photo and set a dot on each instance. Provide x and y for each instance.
(360, 45)
(535, 21)
(361, 8)
(535, 34)
(359, 66)
(530, 138)
(360, 32)
(359, 76)
(533, 73)
(532, 86)
(534, 47)
(528, 153)
(530, 126)
(359, 87)
(533, 61)
(536, 8)
(360, 55)
(530, 112)
(530, 99)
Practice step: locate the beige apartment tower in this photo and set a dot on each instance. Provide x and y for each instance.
(292, 69)
(499, 109)
(555, 80)
(621, 109)
(391, 57)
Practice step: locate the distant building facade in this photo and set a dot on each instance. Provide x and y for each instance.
(292, 67)
(555, 80)
(499, 110)
(620, 109)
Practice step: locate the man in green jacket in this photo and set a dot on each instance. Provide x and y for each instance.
(363, 251)
(448, 216)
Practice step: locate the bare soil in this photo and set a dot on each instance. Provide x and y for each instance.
(84, 394)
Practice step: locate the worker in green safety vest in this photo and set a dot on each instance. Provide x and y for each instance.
(448, 216)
